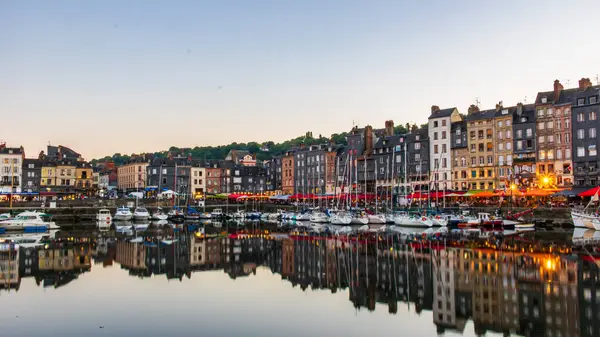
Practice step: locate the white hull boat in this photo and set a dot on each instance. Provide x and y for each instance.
(439, 221)
(319, 217)
(159, 215)
(341, 219)
(141, 213)
(359, 220)
(28, 221)
(581, 219)
(303, 217)
(413, 221)
(123, 214)
(378, 219)
(103, 216)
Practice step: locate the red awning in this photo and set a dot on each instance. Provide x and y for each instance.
(590, 193)
(417, 195)
(48, 193)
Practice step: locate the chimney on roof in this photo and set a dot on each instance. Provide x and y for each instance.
(434, 109)
(557, 89)
(170, 155)
(302, 145)
(584, 83)
(473, 108)
(499, 106)
(369, 139)
(389, 128)
(414, 129)
(519, 108)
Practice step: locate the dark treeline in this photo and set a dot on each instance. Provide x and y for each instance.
(270, 148)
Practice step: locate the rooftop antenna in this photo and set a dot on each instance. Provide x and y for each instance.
(568, 82)
(525, 100)
(597, 80)
(477, 101)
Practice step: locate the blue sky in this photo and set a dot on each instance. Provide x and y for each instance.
(133, 76)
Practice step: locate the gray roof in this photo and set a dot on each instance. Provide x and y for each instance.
(589, 91)
(565, 96)
(10, 150)
(481, 115)
(442, 113)
(389, 141)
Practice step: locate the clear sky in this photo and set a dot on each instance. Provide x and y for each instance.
(132, 76)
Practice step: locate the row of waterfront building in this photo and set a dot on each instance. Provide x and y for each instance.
(551, 143)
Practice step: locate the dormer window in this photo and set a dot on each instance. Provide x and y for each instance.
(593, 100)
(417, 137)
(580, 101)
(523, 119)
(505, 111)
(544, 99)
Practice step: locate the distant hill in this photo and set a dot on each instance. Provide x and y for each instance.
(260, 149)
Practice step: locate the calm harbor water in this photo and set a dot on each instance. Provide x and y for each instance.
(263, 281)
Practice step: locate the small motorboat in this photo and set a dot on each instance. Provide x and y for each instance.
(104, 215)
(29, 221)
(414, 220)
(176, 214)
(123, 214)
(140, 213)
(159, 215)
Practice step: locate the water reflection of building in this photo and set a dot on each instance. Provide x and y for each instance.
(61, 262)
(521, 292)
(287, 258)
(444, 300)
(9, 265)
(588, 277)
(132, 256)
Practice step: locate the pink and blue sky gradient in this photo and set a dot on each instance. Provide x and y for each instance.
(132, 76)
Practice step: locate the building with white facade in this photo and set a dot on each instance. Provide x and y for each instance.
(11, 161)
(197, 181)
(440, 162)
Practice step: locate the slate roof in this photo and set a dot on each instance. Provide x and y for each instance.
(10, 150)
(442, 113)
(389, 141)
(481, 115)
(528, 111)
(589, 91)
(565, 96)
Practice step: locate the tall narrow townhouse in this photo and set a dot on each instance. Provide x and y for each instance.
(524, 148)
(586, 105)
(504, 146)
(460, 157)
(440, 122)
(554, 135)
(480, 125)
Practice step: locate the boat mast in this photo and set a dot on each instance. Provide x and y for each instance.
(365, 175)
(376, 203)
